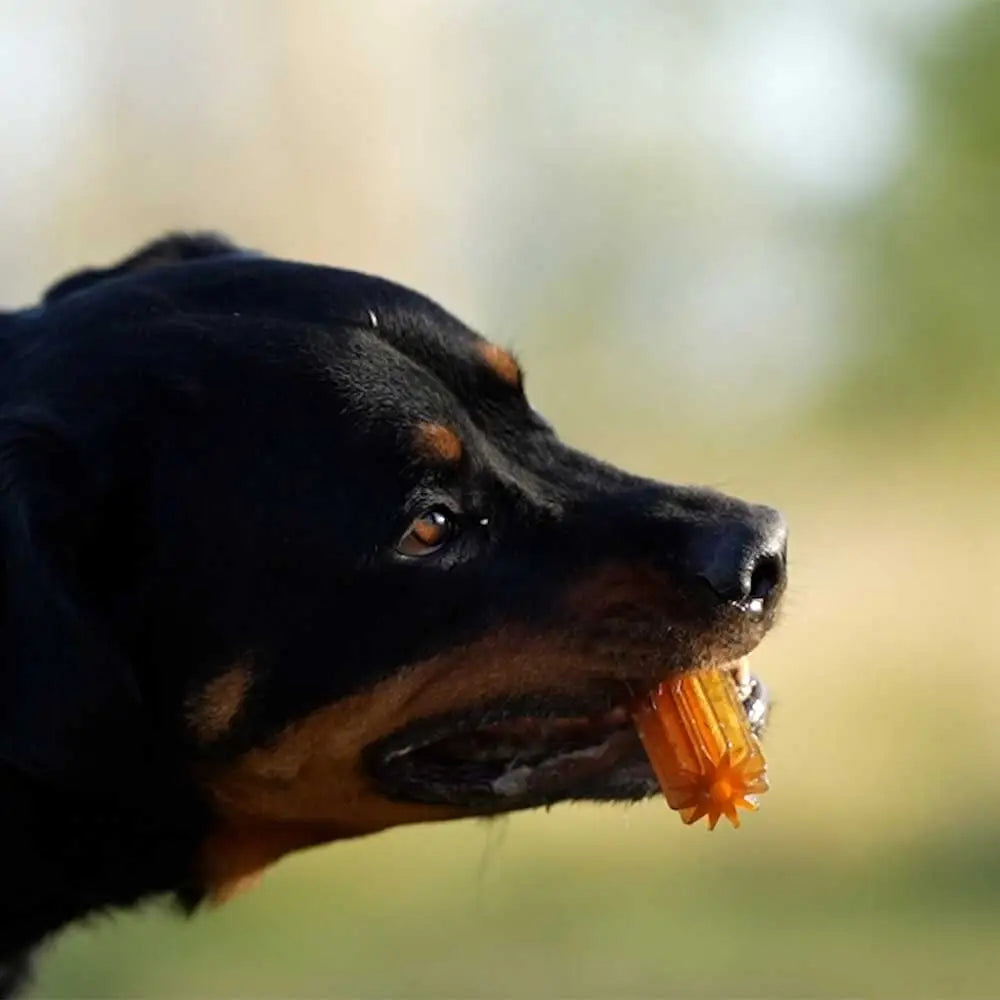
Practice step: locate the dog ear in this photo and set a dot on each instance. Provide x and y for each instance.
(68, 701)
(176, 248)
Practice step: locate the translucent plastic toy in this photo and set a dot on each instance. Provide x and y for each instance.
(701, 748)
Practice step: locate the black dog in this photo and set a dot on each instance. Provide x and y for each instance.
(288, 558)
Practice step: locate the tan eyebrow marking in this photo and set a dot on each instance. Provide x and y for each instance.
(438, 443)
(213, 709)
(502, 362)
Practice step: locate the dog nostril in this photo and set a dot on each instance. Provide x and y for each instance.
(743, 560)
(765, 577)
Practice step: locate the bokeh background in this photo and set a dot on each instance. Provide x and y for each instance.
(740, 243)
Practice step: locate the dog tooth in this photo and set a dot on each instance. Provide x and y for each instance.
(741, 672)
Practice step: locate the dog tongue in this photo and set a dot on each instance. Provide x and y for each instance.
(700, 745)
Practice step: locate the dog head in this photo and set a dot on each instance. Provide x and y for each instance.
(296, 534)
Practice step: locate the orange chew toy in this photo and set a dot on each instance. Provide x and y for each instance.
(699, 742)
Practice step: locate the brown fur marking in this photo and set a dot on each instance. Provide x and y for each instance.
(212, 711)
(309, 786)
(438, 443)
(502, 362)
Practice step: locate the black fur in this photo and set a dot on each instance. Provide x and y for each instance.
(206, 454)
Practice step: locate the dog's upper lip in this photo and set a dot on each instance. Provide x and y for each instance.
(608, 703)
(606, 709)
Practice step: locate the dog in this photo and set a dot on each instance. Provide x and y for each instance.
(289, 557)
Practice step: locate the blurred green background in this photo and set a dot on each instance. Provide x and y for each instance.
(750, 244)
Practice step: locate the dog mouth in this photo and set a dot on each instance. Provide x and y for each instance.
(532, 751)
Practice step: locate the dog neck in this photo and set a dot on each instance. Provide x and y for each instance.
(67, 852)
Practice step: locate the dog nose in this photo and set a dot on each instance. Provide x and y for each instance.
(743, 561)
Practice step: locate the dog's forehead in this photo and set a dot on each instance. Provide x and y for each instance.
(413, 361)
(395, 360)
(466, 362)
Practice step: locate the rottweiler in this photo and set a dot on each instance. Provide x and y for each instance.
(289, 557)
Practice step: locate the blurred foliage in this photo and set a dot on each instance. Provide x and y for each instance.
(925, 253)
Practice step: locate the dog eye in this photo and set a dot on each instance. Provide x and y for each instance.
(428, 533)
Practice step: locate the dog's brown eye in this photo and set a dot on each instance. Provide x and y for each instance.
(427, 533)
